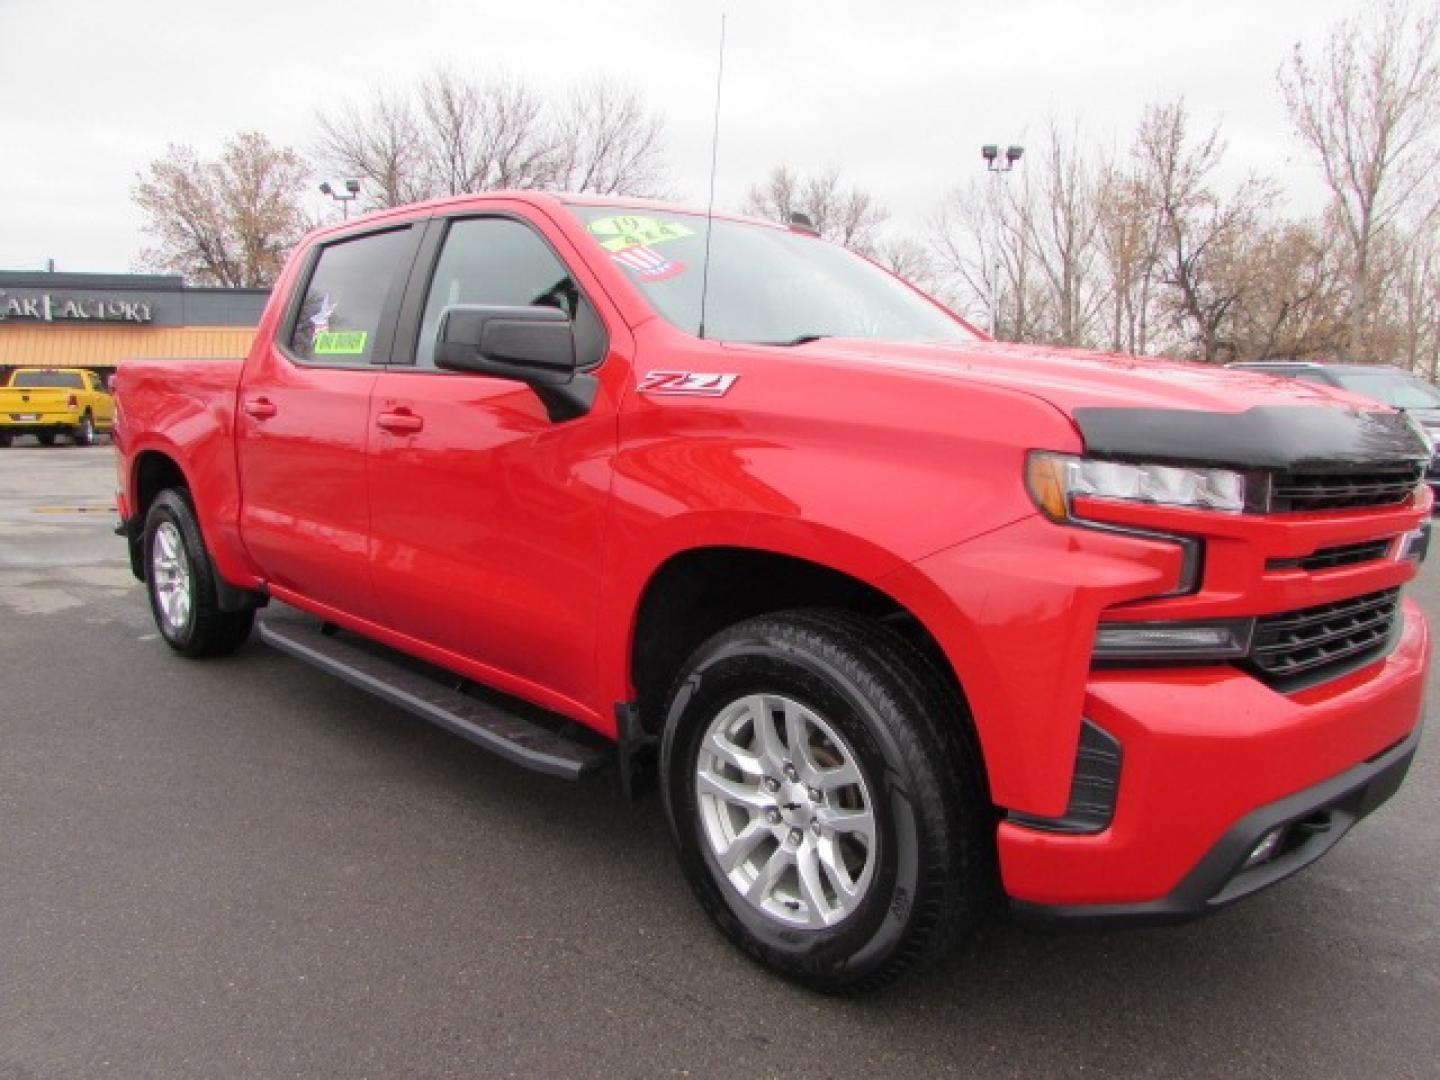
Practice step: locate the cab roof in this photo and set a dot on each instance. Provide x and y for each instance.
(556, 200)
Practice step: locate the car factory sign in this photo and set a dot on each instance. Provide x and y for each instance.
(49, 308)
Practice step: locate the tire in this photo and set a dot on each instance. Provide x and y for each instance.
(46, 438)
(84, 433)
(5, 440)
(863, 697)
(180, 581)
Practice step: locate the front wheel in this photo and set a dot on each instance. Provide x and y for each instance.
(826, 799)
(181, 582)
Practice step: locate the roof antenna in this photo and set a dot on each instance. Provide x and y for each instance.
(714, 157)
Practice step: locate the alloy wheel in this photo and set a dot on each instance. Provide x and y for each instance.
(786, 811)
(170, 577)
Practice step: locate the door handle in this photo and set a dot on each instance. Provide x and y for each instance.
(402, 421)
(261, 408)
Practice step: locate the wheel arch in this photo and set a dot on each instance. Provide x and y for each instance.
(159, 467)
(152, 471)
(698, 591)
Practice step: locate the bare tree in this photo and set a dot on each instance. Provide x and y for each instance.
(228, 222)
(452, 134)
(842, 213)
(379, 145)
(908, 258)
(1408, 327)
(1027, 244)
(963, 251)
(608, 142)
(1290, 279)
(1153, 253)
(482, 136)
(1203, 230)
(776, 198)
(979, 246)
(1061, 230)
(1127, 236)
(1368, 107)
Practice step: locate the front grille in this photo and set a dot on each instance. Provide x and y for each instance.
(1323, 642)
(1331, 557)
(1302, 491)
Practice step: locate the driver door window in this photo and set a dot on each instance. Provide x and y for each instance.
(500, 262)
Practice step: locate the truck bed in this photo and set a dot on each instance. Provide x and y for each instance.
(185, 408)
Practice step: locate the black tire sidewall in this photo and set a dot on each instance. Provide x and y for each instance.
(84, 434)
(865, 940)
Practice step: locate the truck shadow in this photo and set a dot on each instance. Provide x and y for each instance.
(1244, 991)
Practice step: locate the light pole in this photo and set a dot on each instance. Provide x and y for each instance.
(352, 190)
(998, 166)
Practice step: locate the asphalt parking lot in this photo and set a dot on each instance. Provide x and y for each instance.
(245, 868)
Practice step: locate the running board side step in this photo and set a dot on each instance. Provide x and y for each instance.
(513, 737)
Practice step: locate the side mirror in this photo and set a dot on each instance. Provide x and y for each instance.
(533, 345)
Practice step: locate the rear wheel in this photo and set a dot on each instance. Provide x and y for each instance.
(6, 439)
(828, 806)
(181, 582)
(84, 433)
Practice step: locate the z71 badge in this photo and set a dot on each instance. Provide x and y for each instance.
(697, 383)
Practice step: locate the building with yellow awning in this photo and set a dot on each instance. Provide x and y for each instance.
(96, 321)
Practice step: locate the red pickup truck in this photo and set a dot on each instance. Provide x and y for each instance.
(910, 624)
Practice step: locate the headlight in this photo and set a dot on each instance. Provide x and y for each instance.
(1056, 479)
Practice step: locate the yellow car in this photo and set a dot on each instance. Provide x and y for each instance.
(46, 402)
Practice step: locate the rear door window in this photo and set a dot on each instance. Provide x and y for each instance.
(351, 294)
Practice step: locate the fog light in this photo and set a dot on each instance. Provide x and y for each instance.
(1181, 640)
(1265, 850)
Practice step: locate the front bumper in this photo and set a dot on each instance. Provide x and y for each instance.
(1310, 822)
(1214, 760)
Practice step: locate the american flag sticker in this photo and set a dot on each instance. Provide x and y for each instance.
(648, 263)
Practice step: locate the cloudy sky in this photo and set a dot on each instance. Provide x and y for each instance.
(898, 96)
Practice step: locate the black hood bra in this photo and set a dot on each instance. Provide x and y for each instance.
(1285, 437)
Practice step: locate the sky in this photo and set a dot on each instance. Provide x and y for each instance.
(898, 96)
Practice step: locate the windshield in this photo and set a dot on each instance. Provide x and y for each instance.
(1393, 388)
(63, 380)
(767, 285)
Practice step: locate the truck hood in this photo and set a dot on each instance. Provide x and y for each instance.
(1074, 378)
(1137, 408)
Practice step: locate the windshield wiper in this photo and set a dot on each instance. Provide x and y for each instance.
(803, 339)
